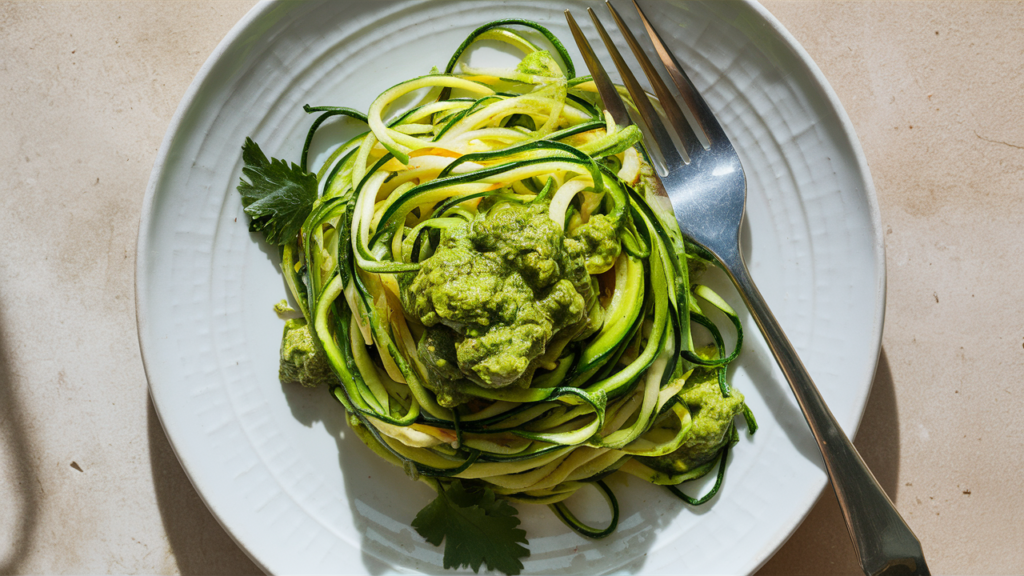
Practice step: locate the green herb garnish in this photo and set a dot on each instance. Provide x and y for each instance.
(478, 529)
(278, 197)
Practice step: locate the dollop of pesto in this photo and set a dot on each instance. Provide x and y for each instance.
(504, 284)
(600, 241)
(436, 349)
(540, 63)
(712, 415)
(301, 360)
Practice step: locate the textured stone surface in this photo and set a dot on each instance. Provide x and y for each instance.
(89, 483)
(933, 92)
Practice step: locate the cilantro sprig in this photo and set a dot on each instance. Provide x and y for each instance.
(477, 529)
(277, 197)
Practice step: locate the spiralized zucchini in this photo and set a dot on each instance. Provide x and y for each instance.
(624, 390)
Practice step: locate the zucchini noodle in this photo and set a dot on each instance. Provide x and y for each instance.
(619, 386)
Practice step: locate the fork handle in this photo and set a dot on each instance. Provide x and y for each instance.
(882, 540)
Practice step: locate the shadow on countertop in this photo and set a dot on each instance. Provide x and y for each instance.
(821, 545)
(15, 443)
(199, 543)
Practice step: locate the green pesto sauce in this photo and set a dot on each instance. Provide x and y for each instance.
(283, 307)
(436, 349)
(600, 239)
(301, 360)
(540, 63)
(712, 415)
(503, 285)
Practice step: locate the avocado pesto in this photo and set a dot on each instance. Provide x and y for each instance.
(499, 299)
(504, 284)
(301, 361)
(711, 421)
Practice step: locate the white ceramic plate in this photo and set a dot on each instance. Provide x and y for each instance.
(276, 464)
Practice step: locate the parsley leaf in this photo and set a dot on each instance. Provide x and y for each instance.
(478, 528)
(277, 197)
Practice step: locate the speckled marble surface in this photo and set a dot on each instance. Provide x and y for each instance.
(88, 481)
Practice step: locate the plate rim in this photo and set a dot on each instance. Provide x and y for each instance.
(262, 7)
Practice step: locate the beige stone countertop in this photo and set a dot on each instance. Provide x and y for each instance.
(89, 483)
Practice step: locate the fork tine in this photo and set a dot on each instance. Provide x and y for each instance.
(704, 117)
(654, 124)
(683, 129)
(609, 95)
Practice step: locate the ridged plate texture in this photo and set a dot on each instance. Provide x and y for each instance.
(277, 465)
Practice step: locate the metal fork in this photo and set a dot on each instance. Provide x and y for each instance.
(707, 189)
